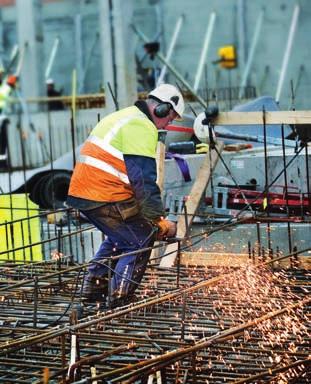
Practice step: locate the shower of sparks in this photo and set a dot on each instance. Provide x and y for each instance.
(248, 294)
(244, 295)
(275, 349)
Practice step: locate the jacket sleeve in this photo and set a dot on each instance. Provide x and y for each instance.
(142, 173)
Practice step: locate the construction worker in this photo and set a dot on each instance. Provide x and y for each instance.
(2, 74)
(5, 92)
(53, 105)
(114, 186)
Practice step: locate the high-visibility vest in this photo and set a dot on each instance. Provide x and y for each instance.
(5, 91)
(100, 173)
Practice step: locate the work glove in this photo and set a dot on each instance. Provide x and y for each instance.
(166, 228)
(201, 148)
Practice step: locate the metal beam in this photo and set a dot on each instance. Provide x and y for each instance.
(79, 50)
(118, 52)
(171, 48)
(30, 34)
(287, 52)
(250, 57)
(52, 57)
(207, 40)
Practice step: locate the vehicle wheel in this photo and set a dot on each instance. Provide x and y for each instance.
(51, 190)
(35, 194)
(54, 189)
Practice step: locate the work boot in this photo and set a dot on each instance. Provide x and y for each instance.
(94, 288)
(122, 301)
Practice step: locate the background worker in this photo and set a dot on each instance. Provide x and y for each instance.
(6, 89)
(53, 105)
(114, 186)
(2, 74)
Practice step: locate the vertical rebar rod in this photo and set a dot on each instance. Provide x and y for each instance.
(295, 256)
(286, 191)
(186, 218)
(266, 196)
(258, 238)
(109, 282)
(249, 247)
(183, 317)
(35, 302)
(51, 154)
(301, 193)
(178, 263)
(12, 240)
(23, 238)
(10, 194)
(69, 230)
(7, 238)
(72, 131)
(82, 246)
(92, 242)
(194, 371)
(59, 260)
(24, 165)
(63, 352)
(308, 177)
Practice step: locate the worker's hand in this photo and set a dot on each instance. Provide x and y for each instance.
(166, 229)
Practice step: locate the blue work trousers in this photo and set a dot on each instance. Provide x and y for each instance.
(126, 231)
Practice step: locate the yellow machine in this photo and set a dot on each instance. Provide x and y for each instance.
(228, 57)
(19, 233)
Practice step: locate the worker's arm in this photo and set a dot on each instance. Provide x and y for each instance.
(142, 174)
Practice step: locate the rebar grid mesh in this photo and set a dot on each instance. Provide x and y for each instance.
(183, 335)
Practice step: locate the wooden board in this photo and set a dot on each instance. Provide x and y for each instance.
(278, 117)
(193, 201)
(160, 164)
(160, 159)
(213, 259)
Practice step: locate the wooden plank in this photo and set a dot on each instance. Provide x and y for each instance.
(213, 259)
(192, 203)
(277, 117)
(161, 159)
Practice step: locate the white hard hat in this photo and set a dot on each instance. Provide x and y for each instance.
(169, 94)
(49, 81)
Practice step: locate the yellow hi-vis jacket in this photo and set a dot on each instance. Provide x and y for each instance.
(5, 91)
(100, 173)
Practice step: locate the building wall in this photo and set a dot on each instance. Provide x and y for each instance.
(157, 18)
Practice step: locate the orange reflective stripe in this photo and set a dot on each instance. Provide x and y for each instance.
(94, 184)
(102, 165)
(90, 149)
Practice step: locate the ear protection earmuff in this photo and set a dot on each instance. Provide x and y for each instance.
(162, 110)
